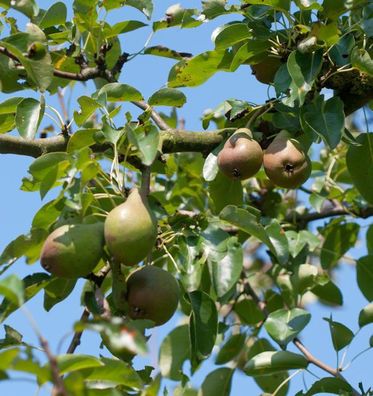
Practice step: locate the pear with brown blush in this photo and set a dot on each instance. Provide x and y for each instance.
(285, 162)
(241, 156)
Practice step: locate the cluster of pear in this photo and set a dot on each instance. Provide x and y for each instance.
(284, 161)
(129, 232)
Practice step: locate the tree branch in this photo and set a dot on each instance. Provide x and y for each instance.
(154, 115)
(75, 342)
(303, 220)
(173, 141)
(308, 355)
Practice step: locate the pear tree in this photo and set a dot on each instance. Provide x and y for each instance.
(230, 233)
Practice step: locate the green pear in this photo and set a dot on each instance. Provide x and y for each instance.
(131, 230)
(73, 250)
(285, 163)
(153, 294)
(241, 156)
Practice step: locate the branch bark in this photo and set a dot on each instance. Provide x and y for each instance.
(173, 141)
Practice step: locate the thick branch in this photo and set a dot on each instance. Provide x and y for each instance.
(174, 140)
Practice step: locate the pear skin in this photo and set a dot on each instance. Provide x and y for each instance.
(153, 294)
(73, 250)
(285, 163)
(241, 156)
(131, 230)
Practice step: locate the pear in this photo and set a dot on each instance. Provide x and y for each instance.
(266, 70)
(241, 156)
(153, 294)
(131, 230)
(73, 250)
(285, 162)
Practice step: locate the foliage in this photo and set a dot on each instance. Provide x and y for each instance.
(246, 254)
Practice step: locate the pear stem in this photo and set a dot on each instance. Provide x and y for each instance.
(145, 182)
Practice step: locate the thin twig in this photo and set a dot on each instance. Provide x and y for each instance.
(75, 342)
(312, 359)
(154, 115)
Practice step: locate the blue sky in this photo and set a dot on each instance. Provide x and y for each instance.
(148, 74)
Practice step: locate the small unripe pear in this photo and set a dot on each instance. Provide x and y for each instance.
(153, 294)
(285, 162)
(73, 250)
(241, 156)
(131, 230)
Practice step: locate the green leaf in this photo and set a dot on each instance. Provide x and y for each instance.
(329, 385)
(203, 324)
(164, 52)
(117, 92)
(146, 142)
(168, 97)
(303, 69)
(366, 315)
(341, 334)
(218, 382)
(339, 239)
(88, 108)
(56, 291)
(55, 15)
(279, 241)
(145, 6)
(29, 114)
(274, 362)
(7, 357)
(28, 7)
(115, 372)
(332, 9)
(226, 267)
(173, 352)
(32, 284)
(24, 245)
(304, 277)
(70, 362)
(298, 240)
(359, 161)
(9, 106)
(210, 166)
(81, 139)
(361, 59)
(225, 191)
(176, 15)
(11, 288)
(195, 71)
(39, 71)
(226, 36)
(329, 293)
(326, 119)
(248, 312)
(231, 348)
(246, 222)
(364, 273)
(42, 165)
(369, 238)
(123, 27)
(111, 134)
(283, 5)
(284, 325)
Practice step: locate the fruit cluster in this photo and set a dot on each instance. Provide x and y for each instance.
(284, 161)
(129, 233)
